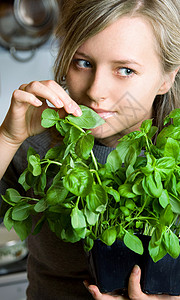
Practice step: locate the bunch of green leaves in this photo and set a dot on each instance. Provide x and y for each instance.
(137, 191)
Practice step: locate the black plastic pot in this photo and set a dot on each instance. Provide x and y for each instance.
(111, 266)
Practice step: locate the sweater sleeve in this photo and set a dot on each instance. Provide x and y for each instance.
(41, 143)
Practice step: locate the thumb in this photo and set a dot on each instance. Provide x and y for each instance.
(134, 287)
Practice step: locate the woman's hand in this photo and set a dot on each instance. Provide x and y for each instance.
(27, 104)
(134, 290)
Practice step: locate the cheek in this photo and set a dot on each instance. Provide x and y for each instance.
(75, 85)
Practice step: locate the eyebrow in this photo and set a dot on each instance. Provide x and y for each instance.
(121, 62)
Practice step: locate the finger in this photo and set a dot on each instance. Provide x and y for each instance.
(69, 104)
(97, 295)
(20, 96)
(134, 287)
(40, 93)
(55, 94)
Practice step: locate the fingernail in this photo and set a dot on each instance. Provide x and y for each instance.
(91, 291)
(78, 112)
(136, 270)
(38, 102)
(70, 108)
(59, 103)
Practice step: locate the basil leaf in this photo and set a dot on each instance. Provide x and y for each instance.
(171, 242)
(88, 244)
(77, 218)
(91, 217)
(89, 118)
(133, 242)
(78, 181)
(109, 236)
(41, 206)
(23, 228)
(156, 247)
(56, 194)
(166, 216)
(12, 196)
(114, 161)
(146, 126)
(8, 222)
(172, 148)
(97, 199)
(21, 211)
(125, 190)
(49, 118)
(165, 166)
(34, 164)
(84, 146)
(164, 198)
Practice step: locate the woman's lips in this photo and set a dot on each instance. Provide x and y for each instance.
(104, 114)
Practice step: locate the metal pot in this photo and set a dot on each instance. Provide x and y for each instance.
(12, 249)
(26, 24)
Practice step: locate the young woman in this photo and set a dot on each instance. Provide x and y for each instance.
(122, 59)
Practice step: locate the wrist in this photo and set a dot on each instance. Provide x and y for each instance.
(9, 141)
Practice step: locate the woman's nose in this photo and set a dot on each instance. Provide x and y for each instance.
(99, 86)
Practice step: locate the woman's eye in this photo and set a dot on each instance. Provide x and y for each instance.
(125, 72)
(82, 63)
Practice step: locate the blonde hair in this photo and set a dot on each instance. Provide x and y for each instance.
(82, 19)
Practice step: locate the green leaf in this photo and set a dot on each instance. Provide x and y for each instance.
(84, 146)
(40, 184)
(156, 245)
(130, 204)
(165, 166)
(91, 217)
(113, 193)
(172, 148)
(170, 131)
(8, 222)
(175, 115)
(88, 244)
(53, 153)
(34, 164)
(97, 199)
(41, 206)
(39, 225)
(22, 180)
(114, 161)
(77, 218)
(109, 236)
(30, 152)
(164, 198)
(171, 242)
(146, 126)
(89, 118)
(133, 242)
(12, 196)
(56, 194)
(166, 216)
(49, 118)
(125, 190)
(152, 184)
(175, 203)
(78, 181)
(23, 228)
(21, 211)
(130, 157)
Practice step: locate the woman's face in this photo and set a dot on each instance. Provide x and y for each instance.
(118, 74)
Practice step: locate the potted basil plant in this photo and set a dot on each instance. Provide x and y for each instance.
(129, 205)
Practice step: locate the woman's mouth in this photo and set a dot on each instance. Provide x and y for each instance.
(104, 114)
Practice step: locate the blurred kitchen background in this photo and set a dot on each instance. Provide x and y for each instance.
(27, 52)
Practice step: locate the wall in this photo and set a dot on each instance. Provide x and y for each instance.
(14, 73)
